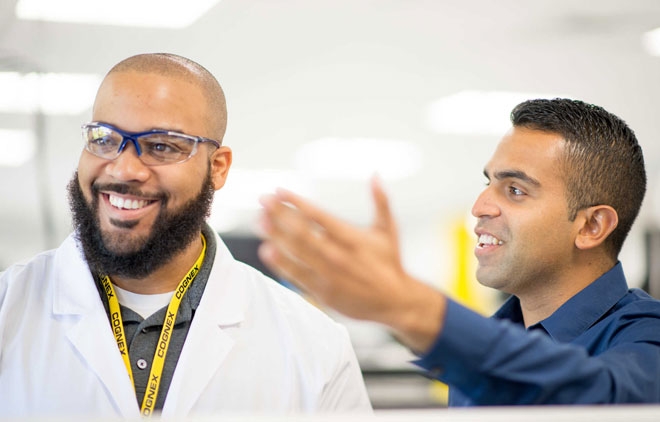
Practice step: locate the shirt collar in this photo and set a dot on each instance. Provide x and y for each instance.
(196, 289)
(190, 300)
(578, 313)
(511, 311)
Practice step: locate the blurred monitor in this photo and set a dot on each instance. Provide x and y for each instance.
(244, 248)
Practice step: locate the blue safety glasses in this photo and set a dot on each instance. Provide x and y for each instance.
(154, 147)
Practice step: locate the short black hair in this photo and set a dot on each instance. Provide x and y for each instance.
(602, 165)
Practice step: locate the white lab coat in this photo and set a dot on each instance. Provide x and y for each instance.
(253, 346)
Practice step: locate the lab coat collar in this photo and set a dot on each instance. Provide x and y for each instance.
(75, 295)
(74, 290)
(207, 344)
(221, 309)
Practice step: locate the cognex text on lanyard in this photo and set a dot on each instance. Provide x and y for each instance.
(149, 401)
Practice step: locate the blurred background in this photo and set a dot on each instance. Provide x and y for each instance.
(321, 94)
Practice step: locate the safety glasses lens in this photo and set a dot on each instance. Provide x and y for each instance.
(164, 148)
(101, 141)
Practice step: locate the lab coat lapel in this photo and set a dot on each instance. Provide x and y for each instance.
(207, 344)
(75, 295)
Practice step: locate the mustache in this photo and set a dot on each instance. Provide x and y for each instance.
(128, 189)
(172, 231)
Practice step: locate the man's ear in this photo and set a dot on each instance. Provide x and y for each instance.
(596, 224)
(220, 161)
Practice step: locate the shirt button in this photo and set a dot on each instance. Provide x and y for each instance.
(436, 372)
(141, 363)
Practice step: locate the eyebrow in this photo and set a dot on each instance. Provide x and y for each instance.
(173, 129)
(169, 130)
(514, 174)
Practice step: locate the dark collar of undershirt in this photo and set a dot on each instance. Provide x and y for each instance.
(192, 297)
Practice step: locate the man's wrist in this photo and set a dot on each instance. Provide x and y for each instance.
(419, 318)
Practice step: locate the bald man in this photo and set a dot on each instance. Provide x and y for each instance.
(143, 310)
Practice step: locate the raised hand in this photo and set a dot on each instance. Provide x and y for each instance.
(356, 271)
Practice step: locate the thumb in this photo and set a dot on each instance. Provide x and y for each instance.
(383, 219)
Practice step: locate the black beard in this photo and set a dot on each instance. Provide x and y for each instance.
(171, 233)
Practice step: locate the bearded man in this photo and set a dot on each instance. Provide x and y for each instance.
(143, 309)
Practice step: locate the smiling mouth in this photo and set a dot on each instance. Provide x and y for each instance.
(126, 212)
(127, 203)
(123, 203)
(487, 240)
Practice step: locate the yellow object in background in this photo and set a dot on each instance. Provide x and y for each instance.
(463, 285)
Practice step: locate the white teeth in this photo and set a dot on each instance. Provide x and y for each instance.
(117, 201)
(486, 239)
(127, 204)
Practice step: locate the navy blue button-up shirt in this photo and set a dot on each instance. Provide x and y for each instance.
(601, 346)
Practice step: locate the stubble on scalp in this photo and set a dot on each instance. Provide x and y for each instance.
(174, 66)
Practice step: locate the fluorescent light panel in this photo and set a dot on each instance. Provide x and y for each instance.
(139, 13)
(476, 112)
(245, 186)
(17, 147)
(238, 201)
(651, 42)
(52, 93)
(358, 158)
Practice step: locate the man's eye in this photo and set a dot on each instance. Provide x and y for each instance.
(103, 141)
(515, 191)
(161, 147)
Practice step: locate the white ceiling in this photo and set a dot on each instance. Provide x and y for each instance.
(295, 71)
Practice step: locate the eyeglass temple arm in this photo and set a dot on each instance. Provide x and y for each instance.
(211, 141)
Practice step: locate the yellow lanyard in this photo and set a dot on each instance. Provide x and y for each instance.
(149, 401)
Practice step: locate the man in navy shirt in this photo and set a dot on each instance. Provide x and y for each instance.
(565, 185)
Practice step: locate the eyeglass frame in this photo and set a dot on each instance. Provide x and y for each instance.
(133, 137)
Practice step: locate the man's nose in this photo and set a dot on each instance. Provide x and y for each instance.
(486, 204)
(128, 166)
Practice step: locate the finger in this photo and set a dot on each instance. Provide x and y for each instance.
(383, 219)
(334, 227)
(294, 234)
(286, 267)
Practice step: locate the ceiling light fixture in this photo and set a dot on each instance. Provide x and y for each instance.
(141, 13)
(651, 42)
(50, 93)
(236, 204)
(476, 112)
(17, 147)
(358, 158)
